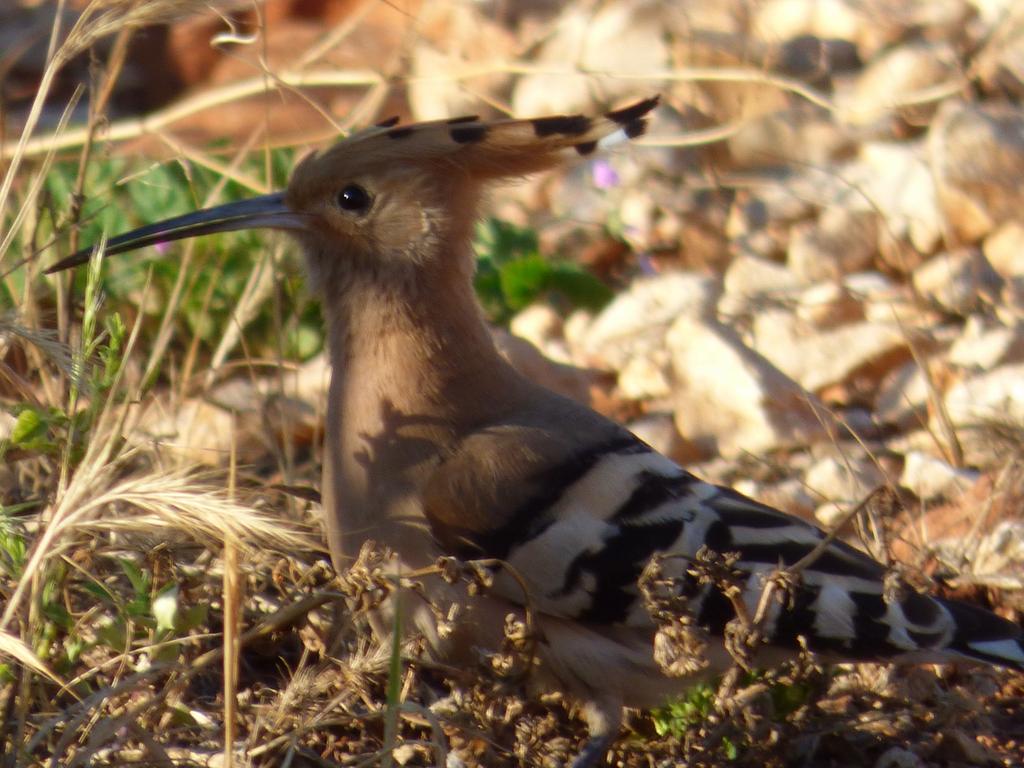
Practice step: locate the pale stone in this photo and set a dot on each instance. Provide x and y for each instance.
(794, 135)
(576, 326)
(542, 326)
(659, 431)
(985, 397)
(627, 38)
(788, 495)
(931, 478)
(882, 88)
(828, 305)
(751, 280)
(843, 479)
(1004, 249)
(786, 19)
(986, 346)
(914, 440)
(1002, 550)
(903, 396)
(537, 323)
(977, 156)
(7, 422)
(840, 242)
(568, 380)
(1000, 63)
(901, 309)
(869, 285)
(832, 513)
(871, 27)
(959, 281)
(646, 377)
(731, 399)
(818, 358)
(635, 322)
(195, 432)
(897, 180)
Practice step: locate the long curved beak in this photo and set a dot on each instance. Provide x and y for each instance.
(266, 211)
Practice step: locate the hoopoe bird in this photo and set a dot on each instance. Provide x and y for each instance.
(435, 445)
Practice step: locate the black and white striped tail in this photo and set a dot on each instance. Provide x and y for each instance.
(599, 518)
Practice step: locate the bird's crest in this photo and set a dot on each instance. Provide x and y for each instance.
(483, 149)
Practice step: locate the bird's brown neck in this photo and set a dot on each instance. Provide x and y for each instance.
(414, 369)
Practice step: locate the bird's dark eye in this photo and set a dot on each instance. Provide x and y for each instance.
(354, 198)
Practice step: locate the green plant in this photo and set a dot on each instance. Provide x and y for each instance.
(678, 715)
(512, 273)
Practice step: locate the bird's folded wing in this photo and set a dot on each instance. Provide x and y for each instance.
(578, 517)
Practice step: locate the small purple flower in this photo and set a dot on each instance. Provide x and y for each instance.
(605, 176)
(162, 247)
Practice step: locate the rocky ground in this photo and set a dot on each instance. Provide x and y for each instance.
(817, 255)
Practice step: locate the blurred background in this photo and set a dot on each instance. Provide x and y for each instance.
(806, 281)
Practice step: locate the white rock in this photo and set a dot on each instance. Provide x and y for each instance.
(542, 326)
(576, 326)
(1004, 249)
(785, 19)
(884, 85)
(627, 38)
(1002, 550)
(794, 135)
(751, 280)
(788, 495)
(818, 358)
(903, 396)
(840, 242)
(7, 422)
(957, 281)
(827, 305)
(977, 156)
(636, 321)
(843, 479)
(733, 400)
(1000, 63)
(868, 285)
(903, 310)
(897, 180)
(646, 376)
(985, 346)
(831, 513)
(931, 478)
(195, 431)
(992, 396)
(569, 380)
(659, 431)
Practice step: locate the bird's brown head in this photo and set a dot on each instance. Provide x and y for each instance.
(396, 200)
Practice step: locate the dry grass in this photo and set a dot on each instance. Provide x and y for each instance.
(159, 614)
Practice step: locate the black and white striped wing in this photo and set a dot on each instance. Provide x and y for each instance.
(582, 548)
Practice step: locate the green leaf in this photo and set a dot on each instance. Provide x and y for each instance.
(139, 606)
(98, 590)
(139, 579)
(501, 241)
(113, 634)
(59, 615)
(579, 287)
(731, 750)
(29, 427)
(194, 616)
(523, 280)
